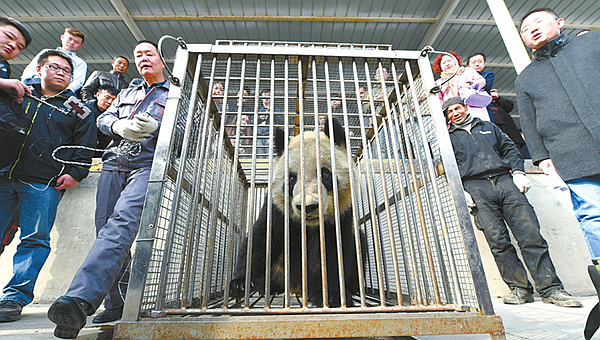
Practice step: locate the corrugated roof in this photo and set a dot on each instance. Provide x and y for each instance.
(113, 27)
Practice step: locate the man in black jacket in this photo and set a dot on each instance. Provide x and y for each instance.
(500, 108)
(14, 38)
(494, 181)
(35, 182)
(104, 97)
(114, 77)
(557, 96)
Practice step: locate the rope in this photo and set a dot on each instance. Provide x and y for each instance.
(124, 148)
(174, 80)
(430, 50)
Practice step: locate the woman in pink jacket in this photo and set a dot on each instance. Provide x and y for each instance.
(466, 77)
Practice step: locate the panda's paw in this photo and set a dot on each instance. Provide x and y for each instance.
(237, 288)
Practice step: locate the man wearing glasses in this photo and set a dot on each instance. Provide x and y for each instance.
(557, 96)
(35, 182)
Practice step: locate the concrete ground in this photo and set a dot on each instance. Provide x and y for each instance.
(533, 321)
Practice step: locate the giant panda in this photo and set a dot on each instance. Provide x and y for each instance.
(311, 183)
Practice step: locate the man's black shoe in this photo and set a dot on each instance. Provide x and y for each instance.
(518, 296)
(10, 311)
(109, 315)
(69, 314)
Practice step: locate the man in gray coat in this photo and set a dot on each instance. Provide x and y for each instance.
(557, 96)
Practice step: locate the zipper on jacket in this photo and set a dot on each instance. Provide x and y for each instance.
(27, 135)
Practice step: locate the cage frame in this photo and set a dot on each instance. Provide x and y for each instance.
(428, 320)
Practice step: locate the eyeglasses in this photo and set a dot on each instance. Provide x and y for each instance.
(536, 23)
(56, 68)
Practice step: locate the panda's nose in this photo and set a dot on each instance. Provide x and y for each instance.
(309, 208)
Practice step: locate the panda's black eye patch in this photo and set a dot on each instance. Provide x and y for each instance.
(292, 180)
(327, 178)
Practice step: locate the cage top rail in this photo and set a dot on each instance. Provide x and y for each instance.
(321, 45)
(304, 49)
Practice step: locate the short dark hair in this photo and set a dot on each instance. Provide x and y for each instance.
(44, 57)
(75, 32)
(120, 56)
(535, 10)
(108, 88)
(7, 21)
(144, 41)
(267, 90)
(474, 54)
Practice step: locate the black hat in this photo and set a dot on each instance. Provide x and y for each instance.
(452, 101)
(19, 26)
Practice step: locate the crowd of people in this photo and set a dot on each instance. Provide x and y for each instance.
(490, 156)
(33, 181)
(556, 103)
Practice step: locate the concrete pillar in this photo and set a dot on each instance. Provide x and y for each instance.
(510, 35)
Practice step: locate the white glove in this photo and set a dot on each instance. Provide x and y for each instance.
(521, 181)
(470, 202)
(127, 129)
(145, 122)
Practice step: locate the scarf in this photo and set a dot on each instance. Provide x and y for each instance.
(466, 125)
(452, 84)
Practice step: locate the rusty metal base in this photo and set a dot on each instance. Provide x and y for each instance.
(311, 326)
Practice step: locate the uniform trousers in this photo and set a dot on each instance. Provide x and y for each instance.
(119, 202)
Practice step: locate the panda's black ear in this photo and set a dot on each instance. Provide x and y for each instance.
(339, 137)
(279, 142)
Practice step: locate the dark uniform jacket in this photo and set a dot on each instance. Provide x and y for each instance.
(130, 101)
(103, 140)
(501, 107)
(99, 78)
(49, 130)
(484, 152)
(559, 105)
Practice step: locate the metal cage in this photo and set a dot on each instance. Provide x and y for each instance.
(419, 266)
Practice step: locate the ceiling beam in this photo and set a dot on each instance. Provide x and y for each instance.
(228, 18)
(481, 22)
(69, 18)
(127, 19)
(500, 65)
(441, 22)
(317, 18)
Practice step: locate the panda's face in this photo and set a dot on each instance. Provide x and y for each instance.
(312, 182)
(318, 188)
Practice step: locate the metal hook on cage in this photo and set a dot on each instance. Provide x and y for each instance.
(430, 50)
(174, 80)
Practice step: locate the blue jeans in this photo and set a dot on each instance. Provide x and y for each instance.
(38, 204)
(585, 195)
